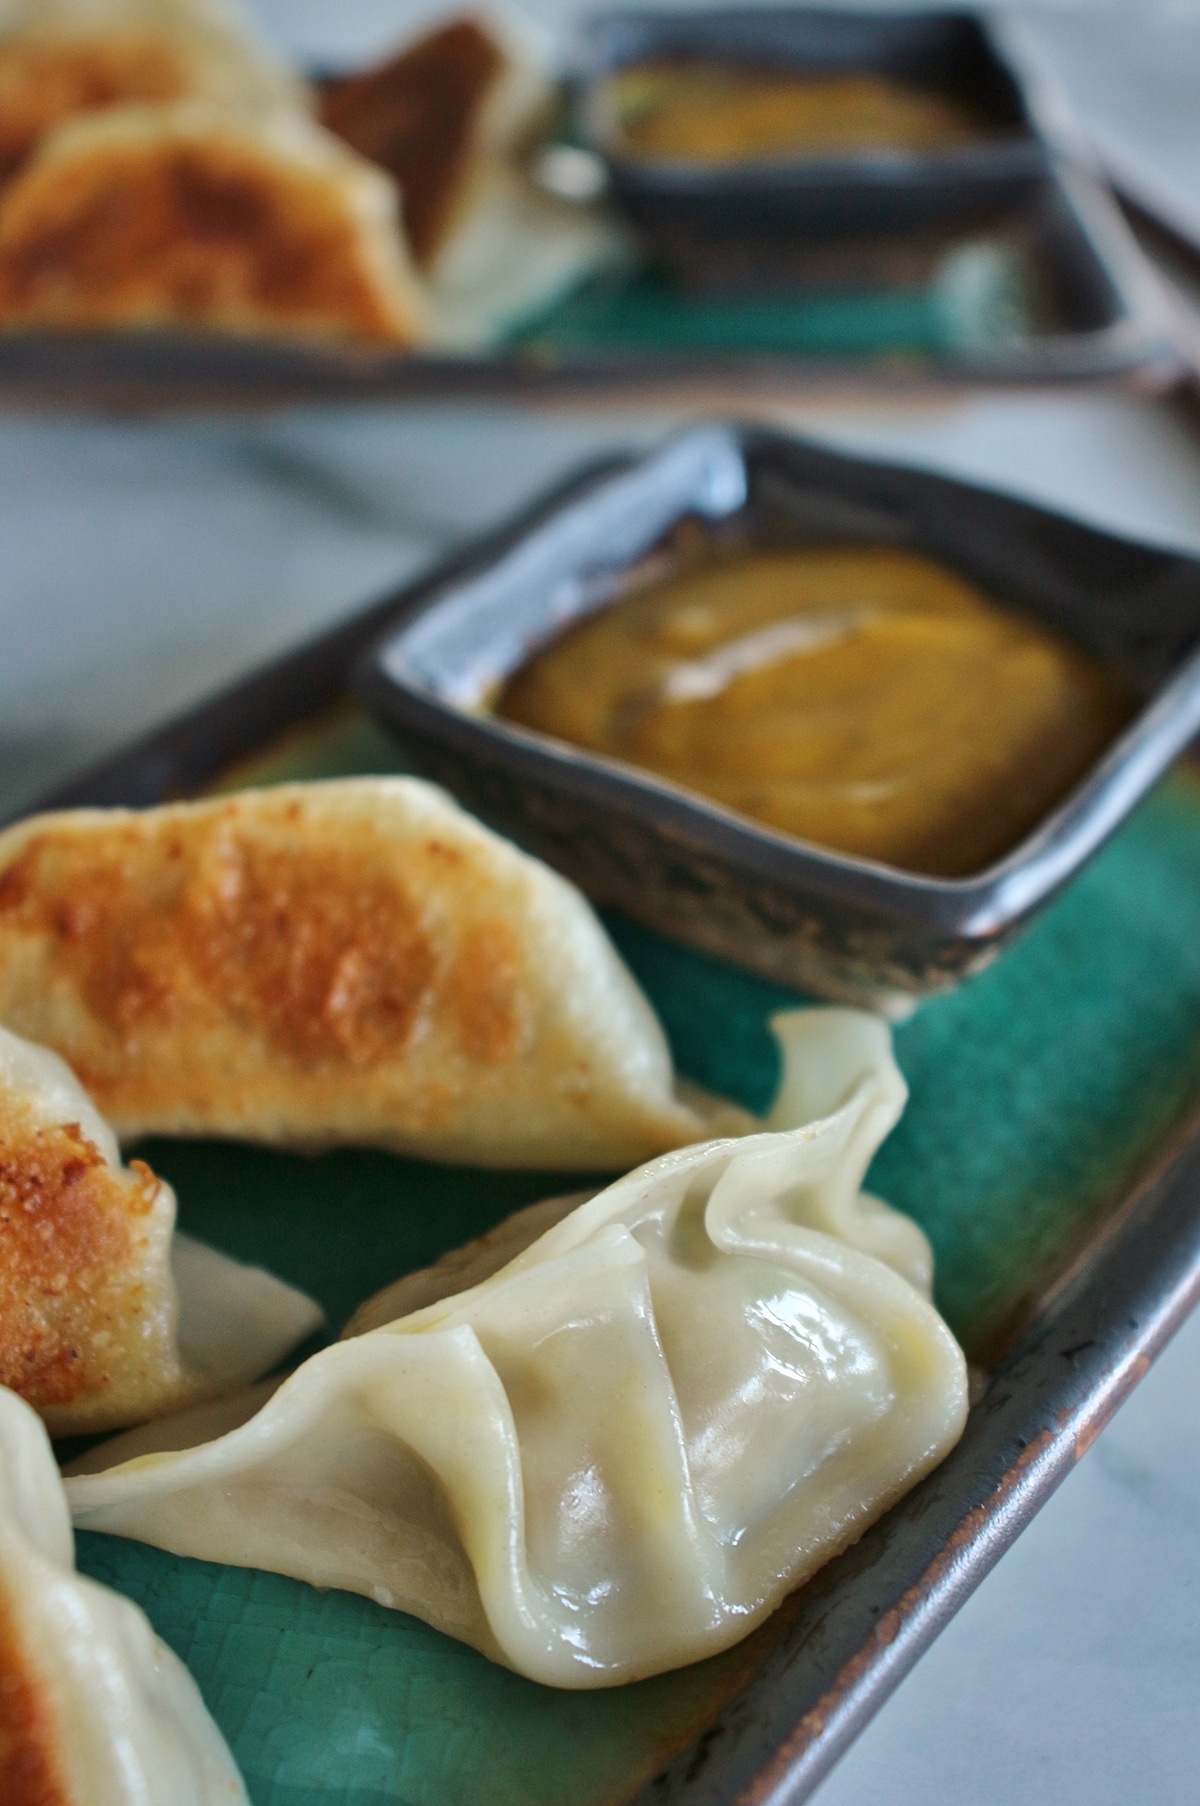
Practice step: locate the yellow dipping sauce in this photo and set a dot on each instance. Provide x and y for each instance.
(864, 698)
(720, 113)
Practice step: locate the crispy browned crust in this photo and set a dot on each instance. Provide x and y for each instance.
(44, 80)
(417, 117)
(71, 1286)
(30, 1768)
(202, 234)
(317, 949)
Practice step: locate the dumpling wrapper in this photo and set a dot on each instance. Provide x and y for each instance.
(439, 113)
(517, 254)
(94, 1709)
(356, 961)
(618, 1453)
(193, 217)
(60, 58)
(106, 1318)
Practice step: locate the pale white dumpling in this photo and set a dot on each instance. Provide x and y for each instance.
(94, 1709)
(617, 1453)
(107, 1317)
(59, 58)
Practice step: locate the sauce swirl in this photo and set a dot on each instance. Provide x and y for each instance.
(864, 698)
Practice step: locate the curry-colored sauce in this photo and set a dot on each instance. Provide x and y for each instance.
(866, 699)
(720, 113)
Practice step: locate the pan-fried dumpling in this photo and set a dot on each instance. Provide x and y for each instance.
(449, 117)
(437, 116)
(619, 1452)
(105, 1319)
(59, 58)
(350, 961)
(94, 1709)
(189, 216)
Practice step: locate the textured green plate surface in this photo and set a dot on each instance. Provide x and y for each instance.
(1038, 1092)
(978, 305)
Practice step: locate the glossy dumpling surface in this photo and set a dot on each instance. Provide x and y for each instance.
(106, 1317)
(617, 1453)
(94, 1709)
(352, 961)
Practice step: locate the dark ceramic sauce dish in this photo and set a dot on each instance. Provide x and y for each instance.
(814, 198)
(806, 916)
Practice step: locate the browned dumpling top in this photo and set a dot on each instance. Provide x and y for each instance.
(351, 961)
(189, 217)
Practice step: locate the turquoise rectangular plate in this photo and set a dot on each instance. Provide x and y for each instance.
(1042, 1093)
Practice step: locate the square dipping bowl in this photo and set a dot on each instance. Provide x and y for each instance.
(825, 922)
(687, 208)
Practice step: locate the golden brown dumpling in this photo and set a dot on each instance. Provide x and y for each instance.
(190, 217)
(105, 1318)
(59, 58)
(350, 961)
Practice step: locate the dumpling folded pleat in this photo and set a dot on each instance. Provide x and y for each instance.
(356, 961)
(94, 1709)
(617, 1453)
(106, 1317)
(60, 58)
(193, 217)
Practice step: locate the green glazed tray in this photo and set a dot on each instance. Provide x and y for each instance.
(1044, 1151)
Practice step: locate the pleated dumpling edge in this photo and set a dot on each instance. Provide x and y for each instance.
(619, 1452)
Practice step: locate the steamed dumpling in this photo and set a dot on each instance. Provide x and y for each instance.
(60, 58)
(197, 218)
(352, 961)
(105, 1319)
(617, 1453)
(94, 1709)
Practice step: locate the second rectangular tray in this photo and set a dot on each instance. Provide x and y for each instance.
(1067, 249)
